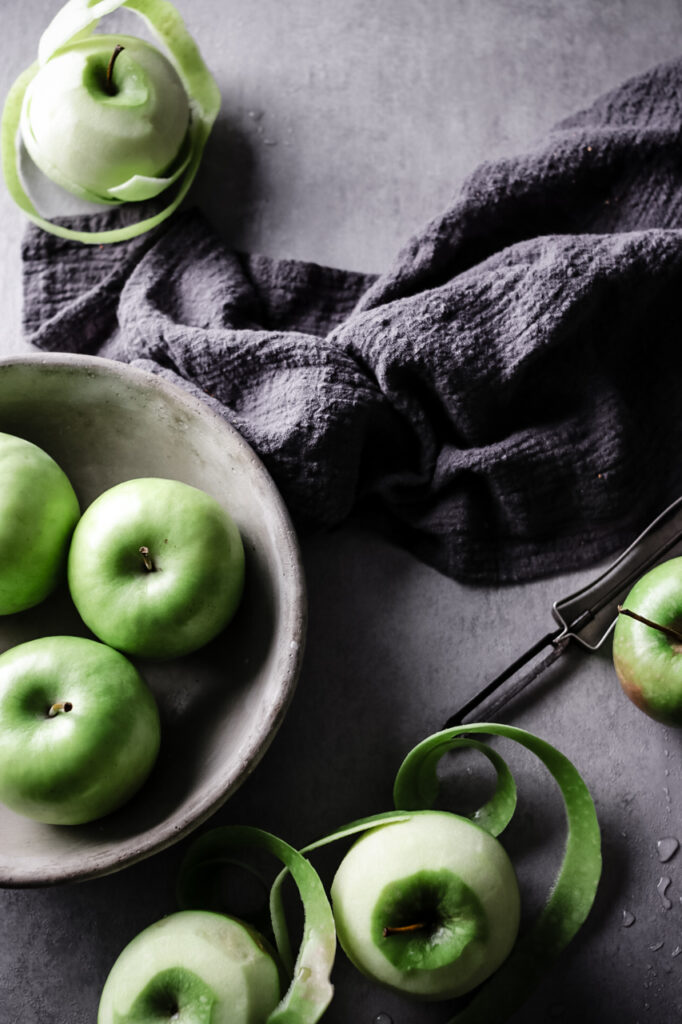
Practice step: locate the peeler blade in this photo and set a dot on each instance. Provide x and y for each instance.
(590, 614)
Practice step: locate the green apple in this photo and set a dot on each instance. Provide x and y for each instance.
(156, 567)
(193, 967)
(79, 729)
(106, 117)
(428, 906)
(648, 654)
(38, 511)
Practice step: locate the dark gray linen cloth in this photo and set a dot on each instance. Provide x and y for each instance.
(506, 399)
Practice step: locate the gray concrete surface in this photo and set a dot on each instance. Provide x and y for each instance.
(344, 126)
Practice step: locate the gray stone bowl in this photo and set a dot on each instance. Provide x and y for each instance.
(105, 422)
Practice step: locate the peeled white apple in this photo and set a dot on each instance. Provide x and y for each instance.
(428, 906)
(192, 966)
(106, 143)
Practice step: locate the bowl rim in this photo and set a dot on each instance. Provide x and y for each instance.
(171, 830)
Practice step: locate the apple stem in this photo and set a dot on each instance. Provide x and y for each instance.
(61, 705)
(148, 564)
(668, 630)
(399, 929)
(111, 89)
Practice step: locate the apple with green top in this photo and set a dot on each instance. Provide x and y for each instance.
(156, 567)
(79, 730)
(107, 118)
(647, 643)
(194, 966)
(429, 906)
(38, 511)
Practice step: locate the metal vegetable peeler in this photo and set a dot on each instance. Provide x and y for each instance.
(587, 616)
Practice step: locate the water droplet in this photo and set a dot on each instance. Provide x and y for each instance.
(656, 946)
(667, 848)
(628, 919)
(383, 1018)
(663, 884)
(256, 115)
(304, 973)
(677, 950)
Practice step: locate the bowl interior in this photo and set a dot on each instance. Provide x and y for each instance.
(104, 422)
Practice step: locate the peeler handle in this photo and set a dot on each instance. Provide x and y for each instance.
(557, 639)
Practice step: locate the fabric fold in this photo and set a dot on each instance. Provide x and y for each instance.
(505, 398)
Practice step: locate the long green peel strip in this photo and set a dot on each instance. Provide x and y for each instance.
(416, 786)
(75, 21)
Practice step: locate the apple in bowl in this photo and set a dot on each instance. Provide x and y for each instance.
(79, 730)
(38, 511)
(429, 906)
(156, 567)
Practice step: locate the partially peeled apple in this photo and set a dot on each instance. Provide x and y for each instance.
(107, 119)
(429, 906)
(111, 119)
(193, 966)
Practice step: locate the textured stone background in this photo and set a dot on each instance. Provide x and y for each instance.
(344, 127)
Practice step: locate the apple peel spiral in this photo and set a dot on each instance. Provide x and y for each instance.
(496, 987)
(571, 898)
(68, 47)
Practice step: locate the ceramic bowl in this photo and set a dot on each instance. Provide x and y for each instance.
(105, 422)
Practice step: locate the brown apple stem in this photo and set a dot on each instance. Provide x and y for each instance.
(59, 707)
(148, 564)
(399, 929)
(110, 69)
(668, 630)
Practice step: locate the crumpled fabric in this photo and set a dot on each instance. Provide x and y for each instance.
(505, 400)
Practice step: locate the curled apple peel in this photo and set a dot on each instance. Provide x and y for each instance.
(310, 990)
(168, 155)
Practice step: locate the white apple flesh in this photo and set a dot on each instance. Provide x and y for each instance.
(99, 144)
(192, 966)
(428, 906)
